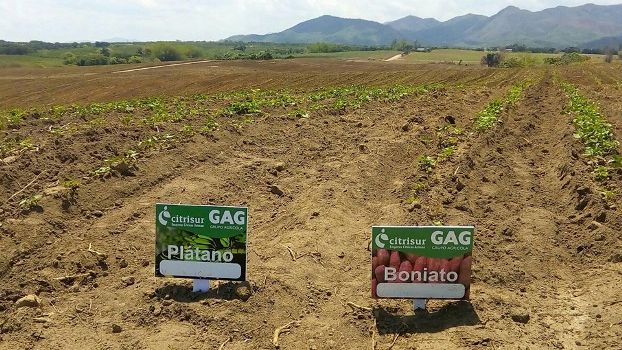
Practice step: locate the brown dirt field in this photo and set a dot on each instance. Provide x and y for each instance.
(546, 270)
(27, 88)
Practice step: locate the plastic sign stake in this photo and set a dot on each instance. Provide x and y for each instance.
(419, 304)
(200, 286)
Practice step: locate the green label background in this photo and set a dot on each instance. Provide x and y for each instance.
(202, 211)
(424, 232)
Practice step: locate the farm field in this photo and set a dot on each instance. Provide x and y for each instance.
(319, 150)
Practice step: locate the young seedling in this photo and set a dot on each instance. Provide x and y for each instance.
(30, 203)
(446, 153)
(187, 130)
(427, 163)
(71, 184)
(210, 125)
(608, 195)
(601, 173)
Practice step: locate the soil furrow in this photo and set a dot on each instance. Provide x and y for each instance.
(519, 189)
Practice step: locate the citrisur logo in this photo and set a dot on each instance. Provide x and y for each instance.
(201, 241)
(421, 262)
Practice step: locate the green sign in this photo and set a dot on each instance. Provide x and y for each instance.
(422, 262)
(201, 241)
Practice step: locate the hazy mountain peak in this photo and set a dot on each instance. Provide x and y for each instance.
(412, 23)
(511, 8)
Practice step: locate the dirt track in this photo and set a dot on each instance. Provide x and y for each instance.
(160, 66)
(545, 274)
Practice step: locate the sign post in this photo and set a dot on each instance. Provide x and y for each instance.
(419, 304)
(201, 242)
(421, 262)
(200, 286)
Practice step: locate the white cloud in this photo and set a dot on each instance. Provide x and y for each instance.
(69, 20)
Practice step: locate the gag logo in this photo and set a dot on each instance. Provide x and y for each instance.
(164, 216)
(380, 239)
(216, 218)
(440, 238)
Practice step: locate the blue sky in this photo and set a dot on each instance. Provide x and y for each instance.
(73, 20)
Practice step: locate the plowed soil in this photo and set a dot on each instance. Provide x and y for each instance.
(547, 264)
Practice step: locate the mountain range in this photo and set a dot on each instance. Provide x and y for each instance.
(586, 26)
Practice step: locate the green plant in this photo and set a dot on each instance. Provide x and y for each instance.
(516, 92)
(71, 184)
(238, 124)
(241, 108)
(103, 172)
(11, 118)
(63, 130)
(26, 145)
(132, 155)
(446, 153)
(127, 120)
(417, 189)
(69, 197)
(489, 116)
(166, 52)
(161, 117)
(566, 58)
(210, 125)
(427, 163)
(591, 126)
(616, 161)
(449, 135)
(30, 202)
(119, 165)
(601, 173)
(187, 130)
(299, 113)
(608, 195)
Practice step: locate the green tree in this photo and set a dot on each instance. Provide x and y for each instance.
(194, 52)
(403, 45)
(166, 52)
(70, 58)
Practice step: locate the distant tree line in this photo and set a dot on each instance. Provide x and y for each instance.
(103, 53)
(572, 49)
(324, 47)
(26, 48)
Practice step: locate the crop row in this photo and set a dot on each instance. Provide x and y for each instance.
(157, 110)
(491, 114)
(240, 108)
(158, 123)
(596, 134)
(450, 136)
